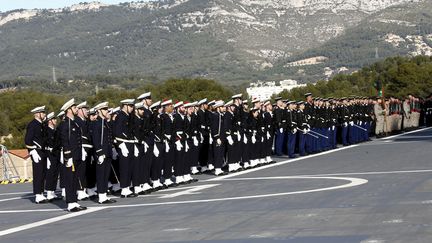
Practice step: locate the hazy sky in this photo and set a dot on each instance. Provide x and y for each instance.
(6, 5)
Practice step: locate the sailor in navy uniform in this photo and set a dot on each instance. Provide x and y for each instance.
(232, 142)
(87, 171)
(102, 138)
(269, 130)
(191, 132)
(139, 175)
(280, 125)
(71, 142)
(53, 159)
(203, 116)
(158, 148)
(169, 141)
(218, 136)
(126, 148)
(180, 142)
(35, 140)
(147, 141)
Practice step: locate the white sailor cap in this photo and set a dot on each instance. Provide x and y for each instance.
(68, 104)
(144, 96)
(166, 102)
(114, 110)
(139, 105)
(83, 105)
(192, 104)
(50, 116)
(178, 104)
(203, 101)
(155, 105)
(218, 103)
(38, 109)
(103, 105)
(267, 102)
(307, 94)
(60, 114)
(245, 102)
(128, 102)
(255, 100)
(92, 111)
(229, 103)
(237, 96)
(211, 103)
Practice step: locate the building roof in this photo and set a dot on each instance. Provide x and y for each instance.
(22, 153)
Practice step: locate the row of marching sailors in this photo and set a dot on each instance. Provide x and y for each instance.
(312, 126)
(141, 146)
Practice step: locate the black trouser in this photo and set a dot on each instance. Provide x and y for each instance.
(39, 173)
(102, 175)
(192, 156)
(115, 171)
(52, 173)
(245, 149)
(168, 159)
(147, 165)
(126, 165)
(72, 181)
(204, 151)
(91, 171)
(80, 169)
(157, 162)
(179, 161)
(219, 152)
(138, 167)
(232, 152)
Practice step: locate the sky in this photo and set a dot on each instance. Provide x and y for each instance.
(6, 5)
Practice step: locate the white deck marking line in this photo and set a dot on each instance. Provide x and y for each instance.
(405, 133)
(193, 190)
(306, 157)
(33, 210)
(14, 193)
(49, 221)
(15, 198)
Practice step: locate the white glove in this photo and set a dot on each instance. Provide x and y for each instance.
(238, 136)
(48, 163)
(361, 123)
(294, 130)
(69, 163)
(178, 144)
(124, 149)
(146, 147)
(351, 123)
(230, 140)
(245, 140)
(61, 157)
(218, 141)
(281, 130)
(114, 154)
(155, 151)
(345, 124)
(101, 159)
(136, 151)
(35, 156)
(186, 147)
(333, 127)
(195, 141)
(304, 131)
(210, 139)
(202, 138)
(268, 135)
(167, 148)
(262, 139)
(253, 139)
(83, 154)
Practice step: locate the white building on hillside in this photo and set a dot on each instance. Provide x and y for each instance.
(264, 90)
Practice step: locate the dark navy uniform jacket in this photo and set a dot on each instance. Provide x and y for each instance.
(71, 139)
(101, 135)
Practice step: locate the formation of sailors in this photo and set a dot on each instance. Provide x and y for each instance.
(144, 146)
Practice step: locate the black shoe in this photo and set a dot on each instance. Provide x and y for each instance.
(129, 196)
(55, 199)
(82, 208)
(108, 201)
(174, 185)
(74, 210)
(194, 180)
(145, 192)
